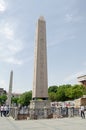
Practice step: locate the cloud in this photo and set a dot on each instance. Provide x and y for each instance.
(13, 60)
(2, 6)
(10, 57)
(2, 84)
(8, 31)
(68, 17)
(10, 45)
(73, 76)
(16, 46)
(62, 37)
(73, 17)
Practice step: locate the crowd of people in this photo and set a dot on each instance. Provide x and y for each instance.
(4, 110)
(69, 111)
(64, 111)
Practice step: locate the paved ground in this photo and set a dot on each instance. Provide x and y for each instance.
(76, 123)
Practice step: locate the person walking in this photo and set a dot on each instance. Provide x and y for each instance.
(82, 112)
(2, 110)
(5, 110)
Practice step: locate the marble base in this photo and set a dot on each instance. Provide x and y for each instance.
(40, 109)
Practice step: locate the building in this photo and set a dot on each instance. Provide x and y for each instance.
(80, 101)
(16, 95)
(2, 91)
(82, 79)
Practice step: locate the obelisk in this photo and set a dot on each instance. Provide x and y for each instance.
(10, 89)
(40, 105)
(40, 81)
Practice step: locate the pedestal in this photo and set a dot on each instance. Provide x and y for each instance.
(40, 109)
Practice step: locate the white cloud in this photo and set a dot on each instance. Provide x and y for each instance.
(10, 45)
(62, 37)
(73, 76)
(7, 30)
(2, 84)
(2, 6)
(12, 60)
(18, 91)
(75, 17)
(68, 17)
(16, 46)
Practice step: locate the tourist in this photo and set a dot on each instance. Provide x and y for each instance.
(5, 110)
(2, 110)
(82, 110)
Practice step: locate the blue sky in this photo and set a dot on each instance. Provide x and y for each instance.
(66, 41)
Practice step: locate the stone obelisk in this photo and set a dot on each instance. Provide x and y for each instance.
(10, 89)
(40, 81)
(40, 105)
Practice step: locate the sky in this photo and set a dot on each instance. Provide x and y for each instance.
(66, 41)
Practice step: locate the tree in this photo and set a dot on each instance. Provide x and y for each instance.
(53, 89)
(3, 98)
(52, 96)
(14, 100)
(77, 91)
(69, 92)
(83, 89)
(60, 94)
(25, 98)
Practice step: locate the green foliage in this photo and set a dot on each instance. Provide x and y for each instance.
(52, 96)
(66, 92)
(61, 94)
(53, 89)
(25, 98)
(3, 98)
(84, 90)
(14, 100)
(77, 91)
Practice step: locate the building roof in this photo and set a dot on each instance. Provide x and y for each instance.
(81, 78)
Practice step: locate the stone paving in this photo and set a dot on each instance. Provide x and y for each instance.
(76, 123)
